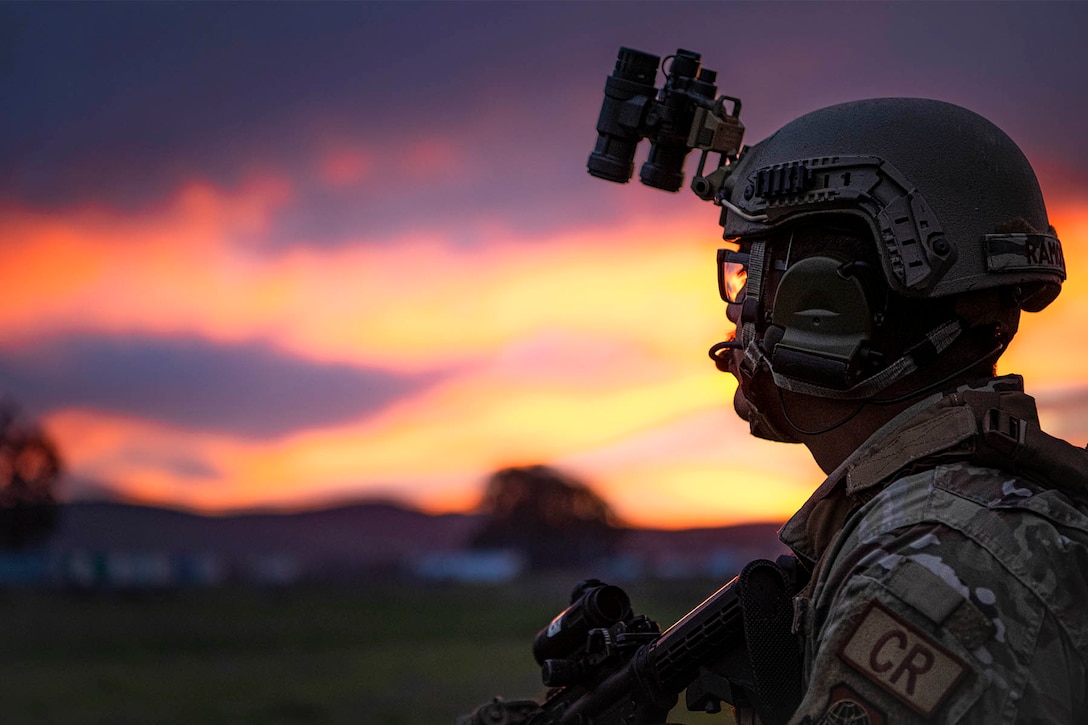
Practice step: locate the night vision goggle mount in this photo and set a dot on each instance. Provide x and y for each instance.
(684, 115)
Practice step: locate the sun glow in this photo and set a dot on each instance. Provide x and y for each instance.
(587, 350)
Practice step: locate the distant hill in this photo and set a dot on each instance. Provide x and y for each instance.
(353, 537)
(360, 535)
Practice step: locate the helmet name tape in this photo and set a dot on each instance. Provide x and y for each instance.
(1024, 252)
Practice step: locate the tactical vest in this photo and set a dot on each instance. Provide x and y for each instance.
(992, 429)
(997, 429)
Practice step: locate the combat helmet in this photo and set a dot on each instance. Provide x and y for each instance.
(950, 201)
(935, 182)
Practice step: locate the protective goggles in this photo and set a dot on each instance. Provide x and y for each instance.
(732, 274)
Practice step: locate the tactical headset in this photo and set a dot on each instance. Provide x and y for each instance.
(935, 185)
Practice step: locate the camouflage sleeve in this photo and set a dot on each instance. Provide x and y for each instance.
(923, 624)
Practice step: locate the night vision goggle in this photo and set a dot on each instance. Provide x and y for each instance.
(682, 116)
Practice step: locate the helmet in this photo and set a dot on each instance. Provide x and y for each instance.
(938, 185)
(947, 204)
(942, 207)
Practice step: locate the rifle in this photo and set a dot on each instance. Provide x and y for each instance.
(605, 665)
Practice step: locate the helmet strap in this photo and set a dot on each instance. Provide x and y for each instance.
(918, 355)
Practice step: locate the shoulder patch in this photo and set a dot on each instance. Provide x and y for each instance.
(902, 660)
(846, 707)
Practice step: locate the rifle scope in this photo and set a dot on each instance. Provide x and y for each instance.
(594, 604)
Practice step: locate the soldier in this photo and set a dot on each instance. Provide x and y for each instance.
(880, 253)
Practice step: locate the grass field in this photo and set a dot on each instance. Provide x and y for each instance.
(388, 654)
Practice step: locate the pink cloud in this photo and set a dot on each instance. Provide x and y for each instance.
(345, 166)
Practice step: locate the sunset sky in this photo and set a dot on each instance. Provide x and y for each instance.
(275, 254)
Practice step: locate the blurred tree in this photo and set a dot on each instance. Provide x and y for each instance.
(29, 469)
(551, 518)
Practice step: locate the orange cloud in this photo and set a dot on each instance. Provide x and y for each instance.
(466, 427)
(96, 269)
(414, 305)
(396, 304)
(587, 350)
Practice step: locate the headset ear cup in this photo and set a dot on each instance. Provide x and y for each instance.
(826, 321)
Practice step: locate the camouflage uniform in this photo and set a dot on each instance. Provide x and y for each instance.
(944, 591)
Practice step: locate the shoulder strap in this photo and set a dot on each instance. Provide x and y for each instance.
(938, 431)
(1021, 446)
(991, 429)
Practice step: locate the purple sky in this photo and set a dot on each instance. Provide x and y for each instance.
(468, 123)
